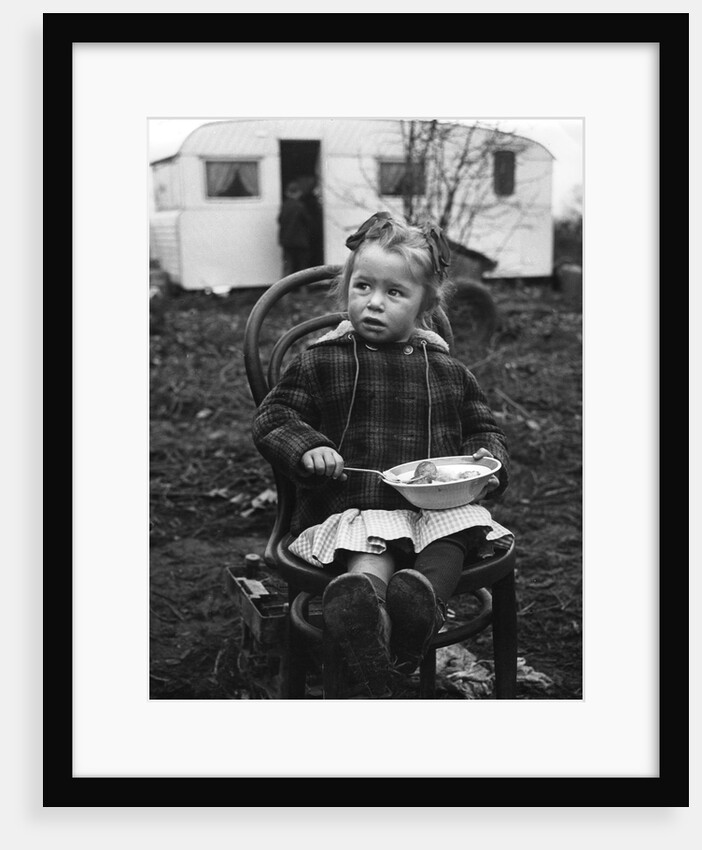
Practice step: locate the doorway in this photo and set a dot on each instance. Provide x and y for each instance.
(300, 162)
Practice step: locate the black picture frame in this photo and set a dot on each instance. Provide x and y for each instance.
(670, 788)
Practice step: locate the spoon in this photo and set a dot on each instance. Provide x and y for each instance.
(388, 477)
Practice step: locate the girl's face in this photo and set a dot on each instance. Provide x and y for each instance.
(384, 299)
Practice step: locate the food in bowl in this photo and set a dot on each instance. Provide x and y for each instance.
(424, 475)
(453, 481)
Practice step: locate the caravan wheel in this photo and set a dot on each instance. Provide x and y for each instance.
(478, 312)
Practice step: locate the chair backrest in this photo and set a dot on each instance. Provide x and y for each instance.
(262, 377)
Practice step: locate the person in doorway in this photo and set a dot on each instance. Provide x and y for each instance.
(379, 390)
(311, 199)
(294, 230)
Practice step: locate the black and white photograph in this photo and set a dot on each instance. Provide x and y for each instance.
(366, 408)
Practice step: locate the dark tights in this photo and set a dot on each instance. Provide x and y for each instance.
(441, 562)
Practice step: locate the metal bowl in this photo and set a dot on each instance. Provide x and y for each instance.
(438, 495)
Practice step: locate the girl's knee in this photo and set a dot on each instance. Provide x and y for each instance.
(382, 565)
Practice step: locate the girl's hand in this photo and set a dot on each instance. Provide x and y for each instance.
(493, 481)
(323, 461)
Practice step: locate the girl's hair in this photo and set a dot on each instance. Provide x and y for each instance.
(414, 246)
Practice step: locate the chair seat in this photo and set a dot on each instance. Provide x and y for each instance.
(298, 573)
(306, 577)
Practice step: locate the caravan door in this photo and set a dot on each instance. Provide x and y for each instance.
(300, 164)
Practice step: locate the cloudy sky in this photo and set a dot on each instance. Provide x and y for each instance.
(563, 137)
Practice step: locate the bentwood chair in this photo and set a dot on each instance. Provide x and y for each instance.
(491, 581)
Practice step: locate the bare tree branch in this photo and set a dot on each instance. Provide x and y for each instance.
(448, 176)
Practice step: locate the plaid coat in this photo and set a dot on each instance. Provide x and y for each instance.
(394, 387)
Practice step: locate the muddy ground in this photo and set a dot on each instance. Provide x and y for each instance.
(211, 491)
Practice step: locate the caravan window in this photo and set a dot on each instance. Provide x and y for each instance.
(401, 178)
(232, 178)
(503, 172)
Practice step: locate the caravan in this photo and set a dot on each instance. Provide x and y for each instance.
(216, 201)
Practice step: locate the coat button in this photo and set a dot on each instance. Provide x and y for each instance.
(408, 349)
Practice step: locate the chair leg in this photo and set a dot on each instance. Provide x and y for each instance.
(504, 636)
(427, 675)
(331, 670)
(294, 678)
(295, 668)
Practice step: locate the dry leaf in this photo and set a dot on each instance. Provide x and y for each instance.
(218, 494)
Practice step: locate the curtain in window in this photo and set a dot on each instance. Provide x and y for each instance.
(232, 179)
(248, 177)
(219, 176)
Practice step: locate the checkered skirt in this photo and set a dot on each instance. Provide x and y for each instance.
(369, 530)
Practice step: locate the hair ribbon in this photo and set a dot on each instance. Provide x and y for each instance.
(370, 228)
(438, 248)
(433, 234)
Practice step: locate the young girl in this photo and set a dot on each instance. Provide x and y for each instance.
(379, 390)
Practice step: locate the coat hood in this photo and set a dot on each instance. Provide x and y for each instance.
(344, 328)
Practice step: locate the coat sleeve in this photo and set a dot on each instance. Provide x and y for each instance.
(285, 423)
(480, 430)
